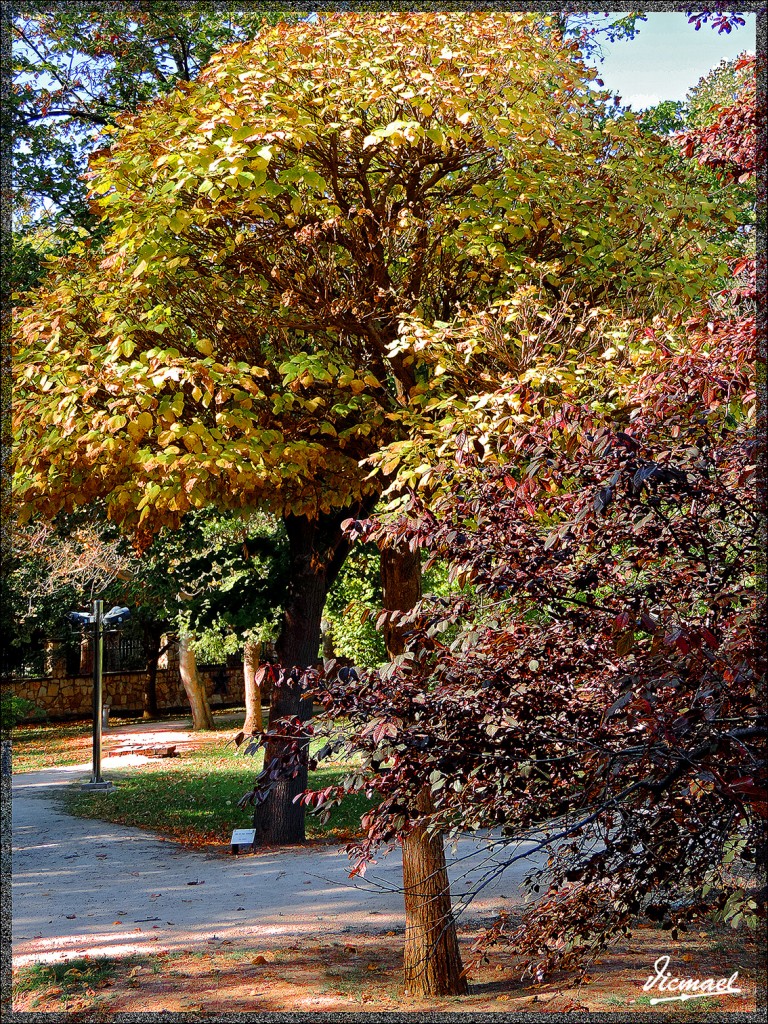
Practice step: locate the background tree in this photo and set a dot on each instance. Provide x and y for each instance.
(353, 604)
(216, 577)
(719, 88)
(233, 591)
(727, 136)
(591, 29)
(50, 572)
(664, 118)
(730, 144)
(74, 72)
(723, 127)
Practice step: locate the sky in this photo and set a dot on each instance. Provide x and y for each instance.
(668, 57)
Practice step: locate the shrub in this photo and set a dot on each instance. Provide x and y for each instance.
(14, 708)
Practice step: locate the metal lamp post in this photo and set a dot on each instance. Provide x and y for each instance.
(97, 619)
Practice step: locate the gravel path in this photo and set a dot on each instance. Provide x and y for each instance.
(84, 886)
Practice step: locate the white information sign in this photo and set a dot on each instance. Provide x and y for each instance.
(243, 836)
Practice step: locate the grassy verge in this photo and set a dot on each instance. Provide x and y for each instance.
(193, 798)
(363, 972)
(80, 977)
(49, 745)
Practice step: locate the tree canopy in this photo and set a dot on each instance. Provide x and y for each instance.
(75, 71)
(236, 338)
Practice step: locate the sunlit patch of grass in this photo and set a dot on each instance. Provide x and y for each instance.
(690, 1005)
(193, 798)
(55, 744)
(70, 977)
(703, 1004)
(48, 745)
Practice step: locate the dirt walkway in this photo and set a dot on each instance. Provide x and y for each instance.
(83, 886)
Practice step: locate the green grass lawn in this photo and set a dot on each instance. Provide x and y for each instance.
(69, 977)
(193, 798)
(49, 745)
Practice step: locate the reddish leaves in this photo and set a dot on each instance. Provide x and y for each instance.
(733, 144)
(597, 684)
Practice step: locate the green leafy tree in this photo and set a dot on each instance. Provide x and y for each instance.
(75, 71)
(32, 243)
(353, 604)
(213, 579)
(719, 122)
(233, 591)
(665, 118)
(719, 88)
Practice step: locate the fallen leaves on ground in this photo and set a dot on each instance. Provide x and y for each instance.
(316, 976)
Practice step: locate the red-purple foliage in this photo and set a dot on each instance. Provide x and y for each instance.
(597, 684)
(734, 143)
(723, 21)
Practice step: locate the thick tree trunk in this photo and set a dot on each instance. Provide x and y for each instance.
(193, 685)
(317, 551)
(253, 717)
(152, 635)
(432, 958)
(401, 587)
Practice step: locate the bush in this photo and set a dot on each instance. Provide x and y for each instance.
(14, 708)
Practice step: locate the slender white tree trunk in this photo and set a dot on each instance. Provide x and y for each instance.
(193, 685)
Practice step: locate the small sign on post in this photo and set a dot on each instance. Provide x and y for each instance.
(243, 837)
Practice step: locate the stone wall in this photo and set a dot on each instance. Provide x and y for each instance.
(63, 696)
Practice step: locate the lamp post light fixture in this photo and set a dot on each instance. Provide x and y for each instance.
(97, 620)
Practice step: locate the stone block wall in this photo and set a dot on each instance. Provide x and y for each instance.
(62, 696)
